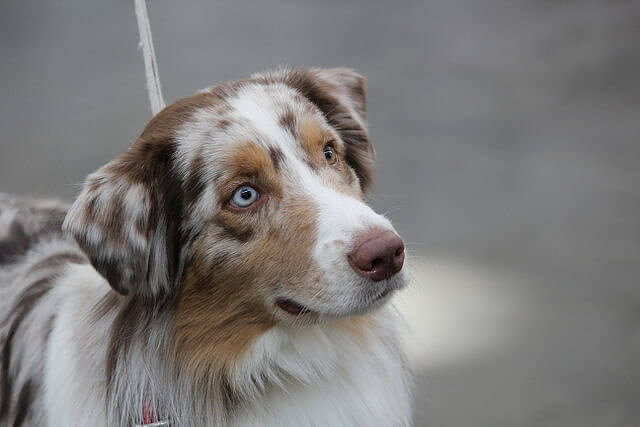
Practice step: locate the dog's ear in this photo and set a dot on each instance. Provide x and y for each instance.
(351, 84)
(127, 219)
(340, 94)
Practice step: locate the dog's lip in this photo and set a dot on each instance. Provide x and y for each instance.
(296, 309)
(292, 307)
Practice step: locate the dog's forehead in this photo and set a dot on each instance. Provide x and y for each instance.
(265, 114)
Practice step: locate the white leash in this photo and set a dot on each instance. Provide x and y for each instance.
(150, 64)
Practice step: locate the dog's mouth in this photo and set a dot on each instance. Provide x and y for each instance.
(296, 309)
(292, 307)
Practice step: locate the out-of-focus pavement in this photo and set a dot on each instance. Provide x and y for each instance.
(508, 142)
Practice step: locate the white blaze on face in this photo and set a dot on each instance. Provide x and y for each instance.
(341, 221)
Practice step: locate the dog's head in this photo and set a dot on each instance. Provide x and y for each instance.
(245, 202)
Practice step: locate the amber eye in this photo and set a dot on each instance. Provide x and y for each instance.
(330, 154)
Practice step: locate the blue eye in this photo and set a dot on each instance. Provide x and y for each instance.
(244, 196)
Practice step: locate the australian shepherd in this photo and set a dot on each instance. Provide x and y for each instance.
(225, 270)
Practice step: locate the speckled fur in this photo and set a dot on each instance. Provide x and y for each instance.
(150, 291)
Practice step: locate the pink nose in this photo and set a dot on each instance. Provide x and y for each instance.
(377, 255)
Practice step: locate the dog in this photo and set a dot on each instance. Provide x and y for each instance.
(225, 270)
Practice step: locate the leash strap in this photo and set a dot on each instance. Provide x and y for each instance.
(154, 89)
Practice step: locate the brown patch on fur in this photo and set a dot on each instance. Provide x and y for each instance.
(313, 138)
(194, 183)
(289, 246)
(221, 310)
(217, 318)
(277, 157)
(248, 159)
(288, 121)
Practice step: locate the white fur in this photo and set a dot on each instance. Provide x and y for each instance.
(74, 371)
(349, 383)
(342, 380)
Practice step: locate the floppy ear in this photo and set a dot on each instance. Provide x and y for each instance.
(127, 217)
(340, 94)
(349, 84)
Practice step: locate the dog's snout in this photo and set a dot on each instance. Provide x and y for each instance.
(377, 255)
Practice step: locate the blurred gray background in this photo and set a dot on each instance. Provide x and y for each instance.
(507, 133)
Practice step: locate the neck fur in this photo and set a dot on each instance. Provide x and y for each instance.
(145, 370)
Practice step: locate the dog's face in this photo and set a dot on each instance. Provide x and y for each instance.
(244, 203)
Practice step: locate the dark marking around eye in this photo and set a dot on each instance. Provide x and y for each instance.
(277, 157)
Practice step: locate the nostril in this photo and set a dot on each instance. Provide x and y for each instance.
(376, 263)
(400, 251)
(398, 260)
